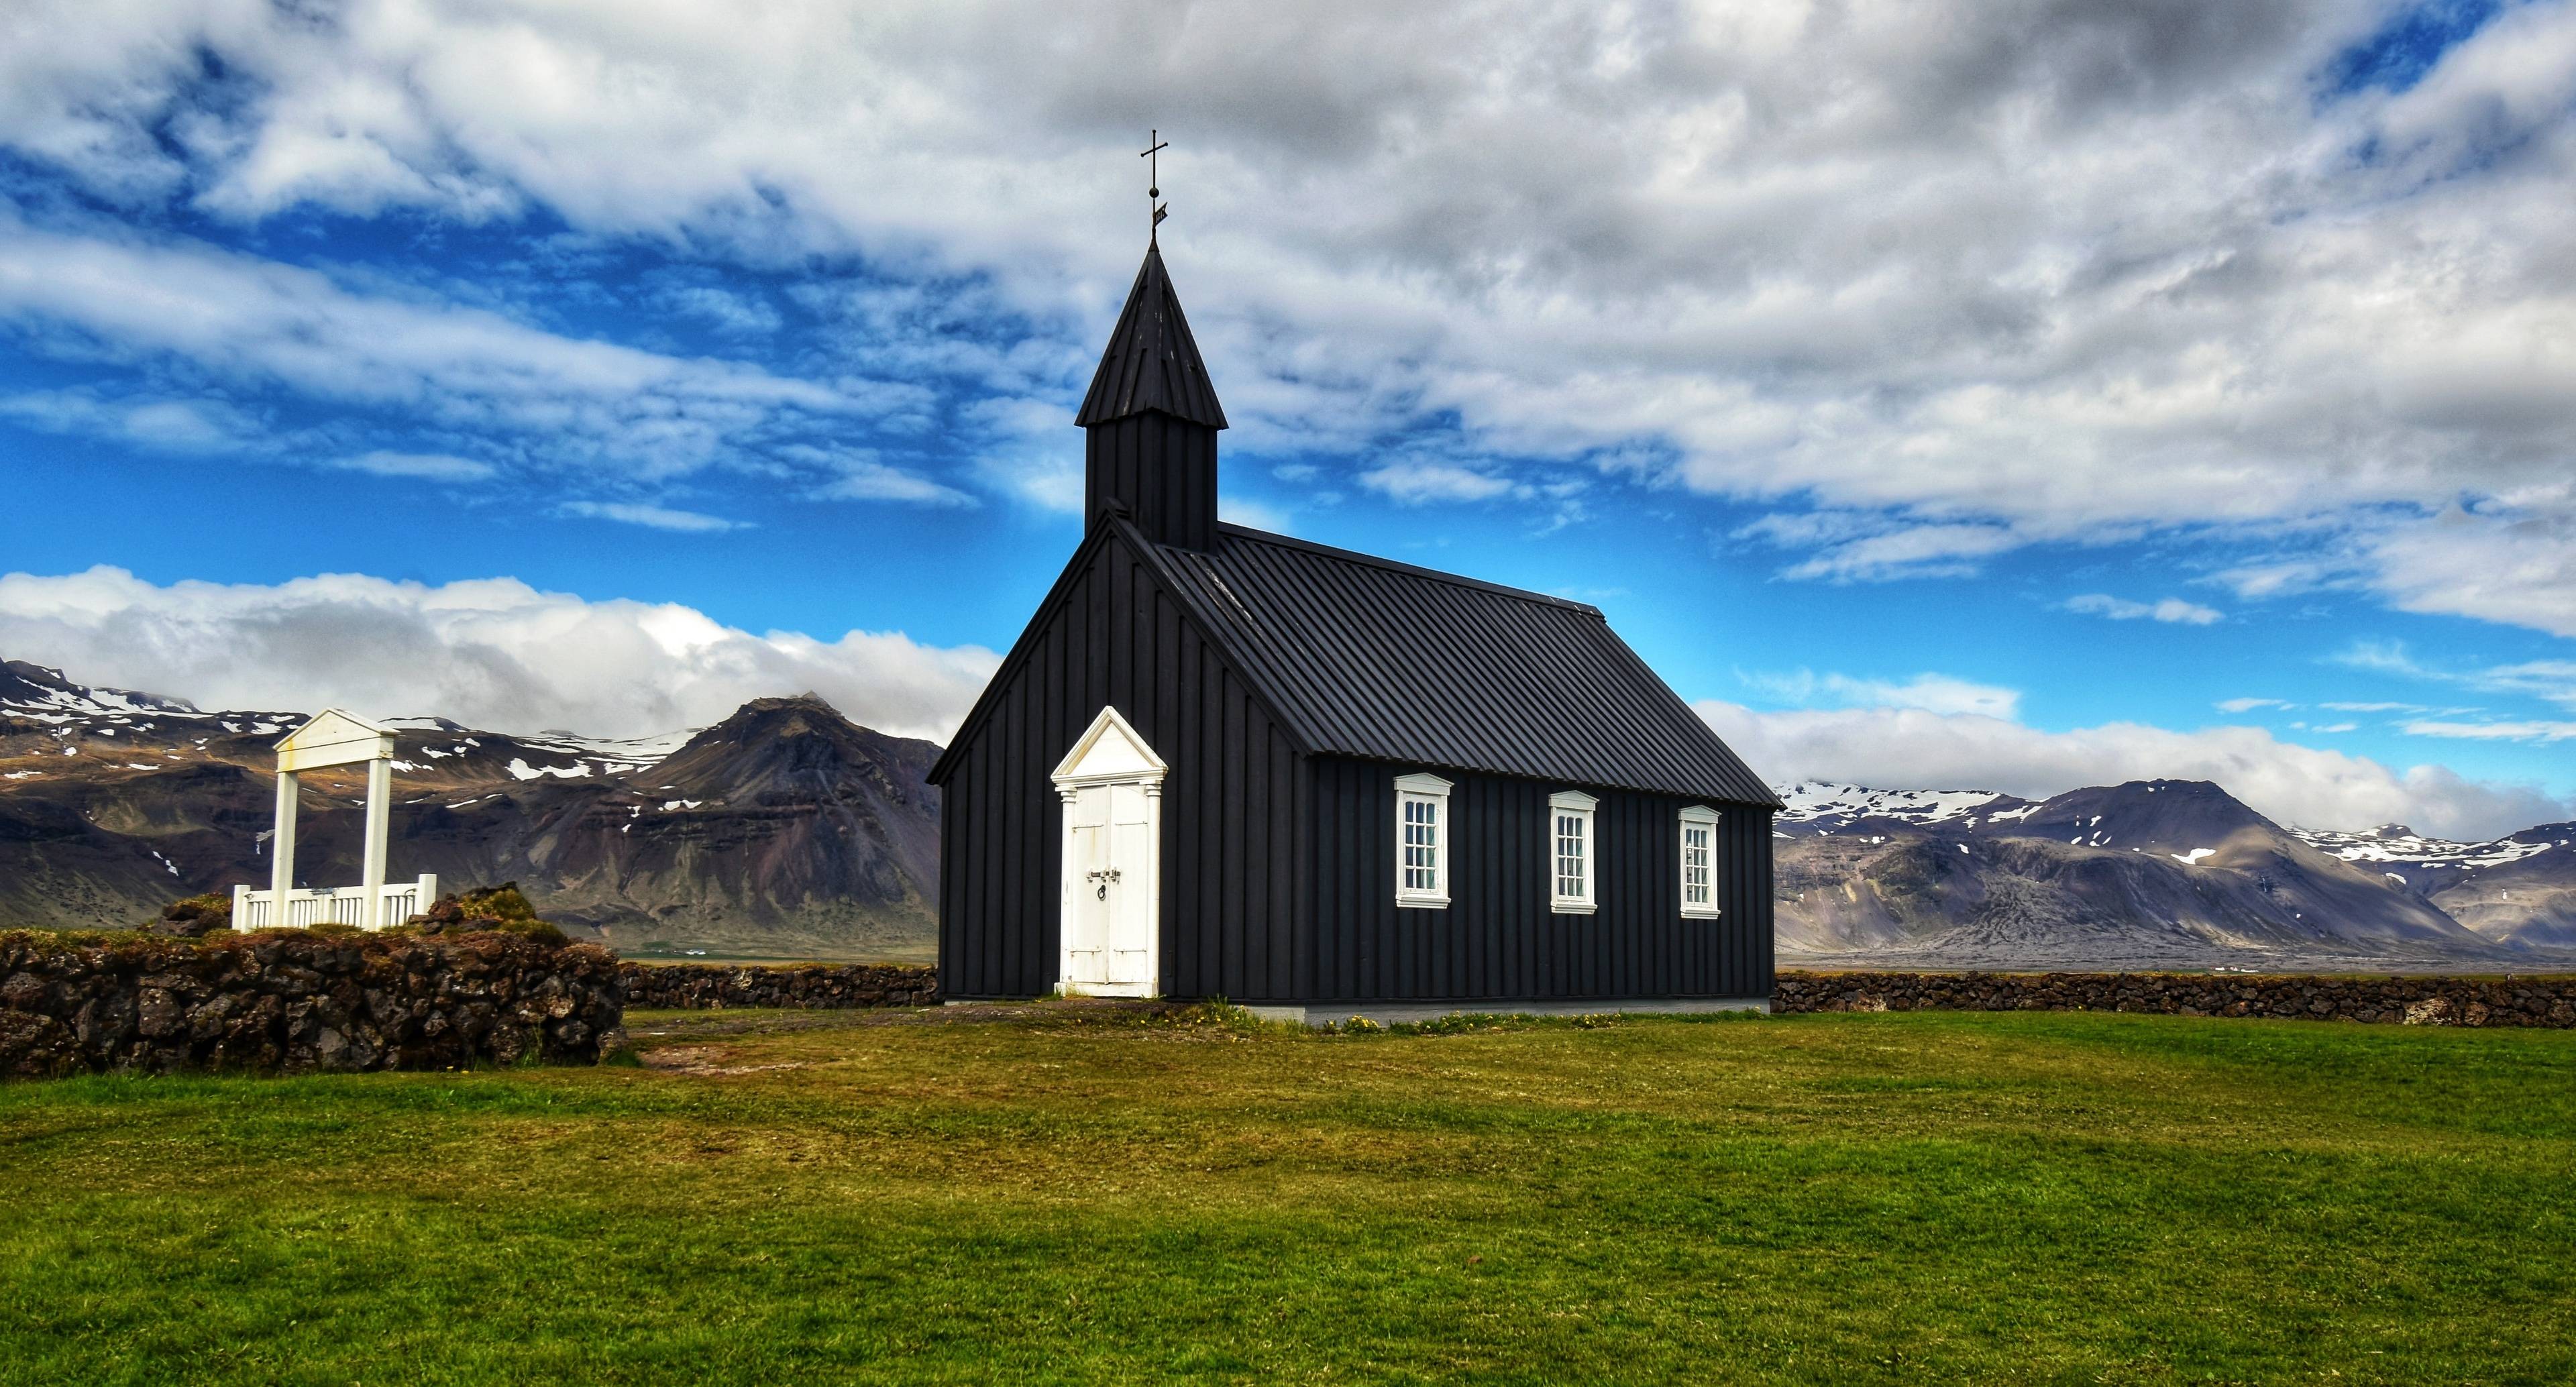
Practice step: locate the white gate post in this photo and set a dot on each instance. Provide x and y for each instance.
(334, 738)
(281, 870)
(380, 793)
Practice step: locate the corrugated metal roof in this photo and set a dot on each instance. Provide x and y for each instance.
(1152, 361)
(1372, 658)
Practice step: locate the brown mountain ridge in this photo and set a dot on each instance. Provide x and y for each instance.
(786, 829)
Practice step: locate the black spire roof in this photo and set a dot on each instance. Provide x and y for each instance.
(1152, 362)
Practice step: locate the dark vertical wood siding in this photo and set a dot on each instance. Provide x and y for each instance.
(1497, 940)
(1162, 469)
(1232, 804)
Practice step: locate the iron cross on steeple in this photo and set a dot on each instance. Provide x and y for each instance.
(1155, 145)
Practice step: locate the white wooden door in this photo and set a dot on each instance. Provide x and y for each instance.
(1130, 951)
(1109, 891)
(1112, 785)
(1087, 889)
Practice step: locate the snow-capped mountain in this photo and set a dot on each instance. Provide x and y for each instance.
(43, 695)
(2518, 889)
(2148, 871)
(2403, 847)
(139, 727)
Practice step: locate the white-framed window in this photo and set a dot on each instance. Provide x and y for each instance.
(1571, 850)
(1421, 841)
(1699, 862)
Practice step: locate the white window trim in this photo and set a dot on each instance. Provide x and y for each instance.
(1434, 790)
(1577, 803)
(1697, 816)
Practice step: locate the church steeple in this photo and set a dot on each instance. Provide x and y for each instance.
(1151, 419)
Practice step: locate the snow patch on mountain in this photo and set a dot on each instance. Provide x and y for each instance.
(1821, 802)
(2397, 843)
(613, 754)
(520, 768)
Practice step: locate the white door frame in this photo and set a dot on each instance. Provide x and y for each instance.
(1112, 752)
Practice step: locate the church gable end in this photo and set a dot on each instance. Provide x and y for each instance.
(1113, 634)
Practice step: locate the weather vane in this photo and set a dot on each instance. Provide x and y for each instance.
(1155, 145)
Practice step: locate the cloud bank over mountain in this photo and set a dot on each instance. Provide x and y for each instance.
(1910, 748)
(498, 653)
(488, 653)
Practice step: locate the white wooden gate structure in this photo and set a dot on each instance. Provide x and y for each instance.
(326, 906)
(334, 738)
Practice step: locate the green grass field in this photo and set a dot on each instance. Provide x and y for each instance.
(820, 1197)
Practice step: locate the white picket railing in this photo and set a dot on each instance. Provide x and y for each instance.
(343, 906)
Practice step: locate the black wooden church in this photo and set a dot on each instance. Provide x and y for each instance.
(1224, 763)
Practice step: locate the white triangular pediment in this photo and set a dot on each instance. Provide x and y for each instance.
(334, 737)
(1111, 749)
(330, 726)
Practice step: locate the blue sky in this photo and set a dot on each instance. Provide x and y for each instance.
(2028, 398)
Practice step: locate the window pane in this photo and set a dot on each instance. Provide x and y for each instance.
(1421, 846)
(1572, 877)
(1698, 886)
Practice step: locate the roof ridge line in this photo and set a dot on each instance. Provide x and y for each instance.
(1399, 566)
(1259, 677)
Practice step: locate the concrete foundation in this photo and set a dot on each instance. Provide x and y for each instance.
(1402, 1013)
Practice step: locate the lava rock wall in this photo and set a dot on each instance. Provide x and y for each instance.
(2415, 1001)
(700, 986)
(290, 1001)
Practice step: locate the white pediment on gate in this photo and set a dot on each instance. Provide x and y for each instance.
(334, 737)
(1110, 749)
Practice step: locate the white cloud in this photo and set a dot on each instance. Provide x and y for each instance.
(2508, 564)
(2169, 609)
(861, 480)
(263, 323)
(2554, 680)
(436, 467)
(488, 652)
(1915, 551)
(1908, 748)
(735, 314)
(1258, 515)
(159, 423)
(651, 516)
(2527, 730)
(1934, 693)
(2382, 657)
(1418, 483)
(2247, 705)
(2550, 680)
